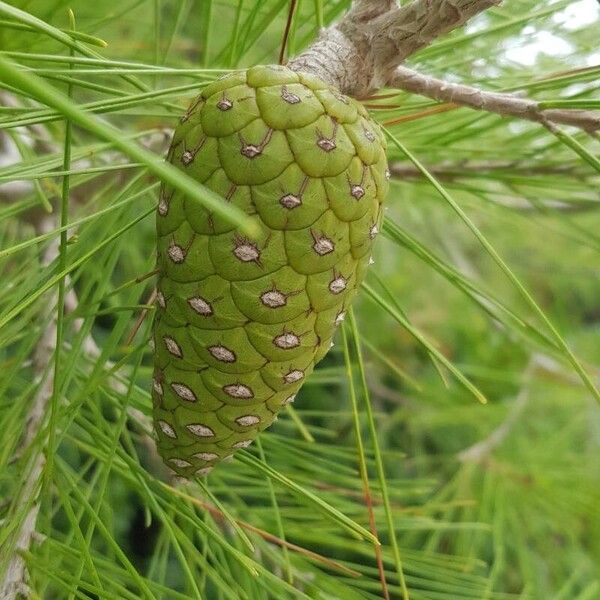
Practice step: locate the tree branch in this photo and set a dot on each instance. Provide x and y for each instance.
(502, 104)
(480, 452)
(369, 9)
(14, 583)
(360, 52)
(450, 170)
(401, 32)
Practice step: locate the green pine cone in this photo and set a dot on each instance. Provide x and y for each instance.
(242, 322)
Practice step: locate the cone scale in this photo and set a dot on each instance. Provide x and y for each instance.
(241, 323)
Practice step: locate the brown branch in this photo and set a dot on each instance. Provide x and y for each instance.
(14, 582)
(502, 104)
(369, 9)
(286, 32)
(455, 171)
(335, 59)
(503, 171)
(522, 205)
(405, 30)
(360, 52)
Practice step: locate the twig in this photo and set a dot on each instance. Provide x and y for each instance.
(286, 32)
(14, 582)
(525, 206)
(269, 537)
(480, 452)
(453, 170)
(142, 316)
(502, 104)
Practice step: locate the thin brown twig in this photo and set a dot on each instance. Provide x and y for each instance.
(286, 32)
(370, 106)
(381, 96)
(141, 318)
(266, 535)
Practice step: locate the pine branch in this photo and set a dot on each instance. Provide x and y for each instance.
(369, 9)
(449, 170)
(363, 51)
(401, 32)
(481, 451)
(504, 172)
(360, 53)
(502, 104)
(14, 583)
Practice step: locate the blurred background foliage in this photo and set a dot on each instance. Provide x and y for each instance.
(496, 501)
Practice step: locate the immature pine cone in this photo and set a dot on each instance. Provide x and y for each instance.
(242, 322)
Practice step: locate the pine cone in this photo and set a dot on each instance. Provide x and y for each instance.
(242, 322)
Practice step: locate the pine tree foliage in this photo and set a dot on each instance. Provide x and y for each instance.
(448, 446)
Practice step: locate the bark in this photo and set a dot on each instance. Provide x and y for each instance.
(403, 31)
(14, 583)
(359, 53)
